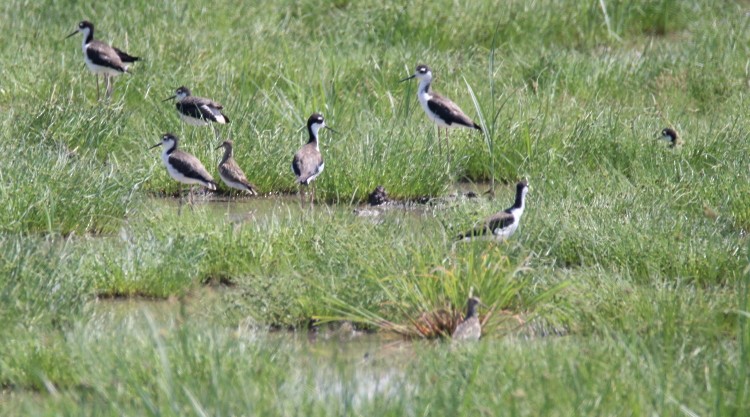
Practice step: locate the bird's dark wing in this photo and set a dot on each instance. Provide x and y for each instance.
(306, 163)
(296, 165)
(191, 170)
(200, 108)
(196, 111)
(124, 56)
(449, 112)
(103, 55)
(500, 220)
(230, 169)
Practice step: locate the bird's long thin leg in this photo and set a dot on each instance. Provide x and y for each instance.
(301, 199)
(216, 132)
(312, 197)
(447, 146)
(98, 96)
(179, 201)
(440, 144)
(109, 86)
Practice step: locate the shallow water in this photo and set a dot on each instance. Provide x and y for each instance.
(242, 208)
(339, 360)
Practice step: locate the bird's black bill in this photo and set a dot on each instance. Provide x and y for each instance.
(220, 146)
(408, 78)
(158, 144)
(332, 129)
(169, 98)
(74, 32)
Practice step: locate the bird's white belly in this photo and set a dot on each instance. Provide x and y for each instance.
(193, 121)
(177, 175)
(98, 69)
(423, 99)
(502, 234)
(233, 184)
(315, 175)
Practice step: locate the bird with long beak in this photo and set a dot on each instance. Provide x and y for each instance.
(441, 110)
(101, 58)
(231, 173)
(503, 224)
(470, 328)
(308, 163)
(183, 167)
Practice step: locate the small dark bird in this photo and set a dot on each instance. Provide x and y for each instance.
(470, 328)
(439, 109)
(503, 224)
(308, 161)
(231, 173)
(197, 111)
(378, 196)
(671, 136)
(183, 167)
(101, 58)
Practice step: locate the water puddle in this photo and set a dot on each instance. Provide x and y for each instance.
(241, 209)
(333, 362)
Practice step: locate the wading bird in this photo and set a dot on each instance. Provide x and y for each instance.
(198, 111)
(501, 225)
(231, 173)
(183, 167)
(101, 58)
(670, 135)
(470, 328)
(308, 161)
(439, 109)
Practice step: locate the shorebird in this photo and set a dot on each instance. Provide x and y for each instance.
(308, 162)
(470, 328)
(671, 136)
(101, 58)
(439, 109)
(501, 225)
(183, 167)
(231, 173)
(198, 111)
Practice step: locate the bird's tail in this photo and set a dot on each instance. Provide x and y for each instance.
(125, 57)
(252, 189)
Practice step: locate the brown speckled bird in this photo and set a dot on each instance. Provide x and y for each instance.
(231, 173)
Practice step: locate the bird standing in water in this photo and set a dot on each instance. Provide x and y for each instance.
(308, 161)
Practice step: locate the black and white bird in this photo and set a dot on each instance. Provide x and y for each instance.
(231, 173)
(470, 329)
(671, 136)
(308, 161)
(502, 225)
(101, 58)
(197, 111)
(183, 167)
(439, 109)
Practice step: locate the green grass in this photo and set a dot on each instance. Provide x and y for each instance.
(629, 271)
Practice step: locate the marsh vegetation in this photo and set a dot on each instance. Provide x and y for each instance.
(623, 292)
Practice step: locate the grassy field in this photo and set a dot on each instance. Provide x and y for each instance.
(624, 292)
